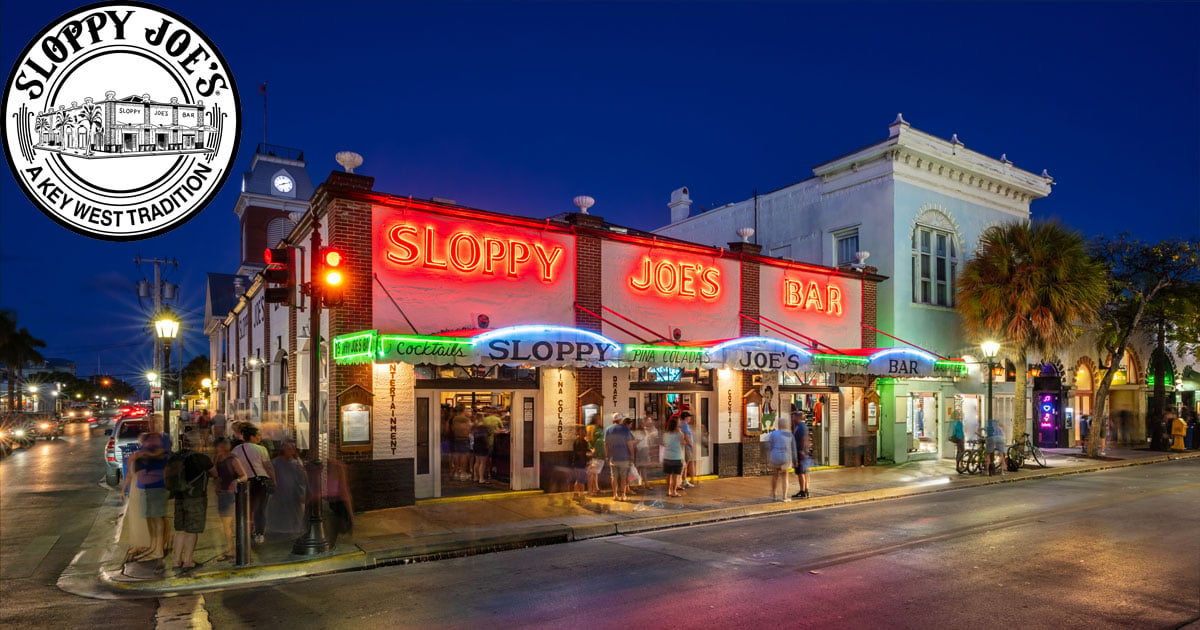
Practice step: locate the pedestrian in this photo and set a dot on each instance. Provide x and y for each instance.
(1123, 422)
(460, 429)
(480, 448)
(285, 510)
(673, 447)
(229, 473)
(689, 454)
(202, 427)
(958, 438)
(619, 444)
(781, 451)
(1085, 432)
(639, 470)
(995, 446)
(218, 423)
(135, 532)
(596, 465)
(148, 464)
(1190, 441)
(803, 443)
(581, 454)
(257, 462)
(337, 492)
(1178, 430)
(187, 477)
(1106, 434)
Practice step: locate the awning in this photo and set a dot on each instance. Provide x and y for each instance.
(562, 346)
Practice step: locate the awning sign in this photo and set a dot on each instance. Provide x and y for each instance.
(556, 346)
(665, 356)
(760, 353)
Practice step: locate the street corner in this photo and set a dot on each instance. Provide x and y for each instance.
(142, 579)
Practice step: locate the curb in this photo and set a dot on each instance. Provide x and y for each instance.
(454, 547)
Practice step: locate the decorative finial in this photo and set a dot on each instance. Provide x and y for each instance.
(900, 120)
(862, 259)
(583, 202)
(745, 233)
(349, 160)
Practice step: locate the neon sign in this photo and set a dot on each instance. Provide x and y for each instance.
(470, 253)
(676, 279)
(810, 297)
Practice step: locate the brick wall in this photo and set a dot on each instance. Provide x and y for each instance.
(869, 307)
(290, 412)
(748, 455)
(588, 279)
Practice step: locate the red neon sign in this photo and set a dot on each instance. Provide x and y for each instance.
(468, 253)
(810, 297)
(676, 279)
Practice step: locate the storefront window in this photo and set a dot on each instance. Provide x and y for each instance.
(699, 376)
(922, 422)
(812, 379)
(471, 372)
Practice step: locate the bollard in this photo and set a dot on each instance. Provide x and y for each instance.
(241, 524)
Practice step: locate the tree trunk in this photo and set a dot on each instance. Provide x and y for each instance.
(1020, 393)
(1099, 411)
(1158, 410)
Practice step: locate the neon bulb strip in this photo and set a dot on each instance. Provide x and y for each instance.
(841, 358)
(426, 339)
(920, 353)
(666, 348)
(341, 340)
(752, 340)
(517, 330)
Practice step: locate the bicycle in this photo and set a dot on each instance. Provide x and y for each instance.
(973, 458)
(1019, 451)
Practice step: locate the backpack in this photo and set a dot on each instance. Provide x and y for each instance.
(598, 444)
(176, 481)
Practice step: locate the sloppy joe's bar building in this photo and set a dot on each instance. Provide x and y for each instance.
(542, 325)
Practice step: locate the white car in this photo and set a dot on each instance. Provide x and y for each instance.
(123, 440)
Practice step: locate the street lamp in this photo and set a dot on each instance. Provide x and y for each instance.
(33, 401)
(990, 350)
(166, 327)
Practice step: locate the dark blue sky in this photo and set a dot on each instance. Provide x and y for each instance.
(520, 107)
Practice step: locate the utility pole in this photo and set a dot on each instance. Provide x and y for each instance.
(159, 291)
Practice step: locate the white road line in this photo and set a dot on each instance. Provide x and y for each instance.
(182, 613)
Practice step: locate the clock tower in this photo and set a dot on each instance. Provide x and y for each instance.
(276, 186)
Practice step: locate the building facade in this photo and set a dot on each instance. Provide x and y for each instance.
(914, 205)
(124, 126)
(543, 326)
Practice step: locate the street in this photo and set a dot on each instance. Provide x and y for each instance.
(1113, 549)
(49, 495)
(1014, 555)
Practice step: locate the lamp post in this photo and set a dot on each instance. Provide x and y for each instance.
(166, 328)
(33, 397)
(990, 350)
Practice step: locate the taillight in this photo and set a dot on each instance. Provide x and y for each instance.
(112, 442)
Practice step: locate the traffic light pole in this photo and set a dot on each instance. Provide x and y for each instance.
(313, 542)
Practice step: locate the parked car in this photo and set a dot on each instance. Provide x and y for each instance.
(50, 428)
(123, 440)
(105, 418)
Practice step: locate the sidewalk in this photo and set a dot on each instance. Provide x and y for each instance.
(442, 529)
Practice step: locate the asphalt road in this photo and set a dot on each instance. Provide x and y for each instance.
(1117, 549)
(49, 495)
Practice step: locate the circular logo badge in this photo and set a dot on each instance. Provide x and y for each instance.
(121, 120)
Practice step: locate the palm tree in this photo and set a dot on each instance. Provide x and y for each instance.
(1034, 286)
(93, 117)
(17, 347)
(42, 127)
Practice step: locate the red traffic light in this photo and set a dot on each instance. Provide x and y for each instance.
(332, 257)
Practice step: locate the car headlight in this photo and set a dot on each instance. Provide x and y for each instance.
(20, 432)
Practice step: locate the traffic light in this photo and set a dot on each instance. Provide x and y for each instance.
(333, 276)
(280, 273)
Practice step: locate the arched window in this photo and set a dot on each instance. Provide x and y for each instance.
(934, 259)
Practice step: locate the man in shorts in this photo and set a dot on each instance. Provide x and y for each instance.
(191, 504)
(619, 444)
(995, 445)
(802, 443)
(689, 458)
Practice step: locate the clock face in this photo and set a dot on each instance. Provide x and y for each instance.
(283, 183)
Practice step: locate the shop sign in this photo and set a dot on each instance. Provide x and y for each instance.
(902, 362)
(760, 353)
(558, 346)
(676, 279)
(852, 380)
(668, 356)
(471, 253)
(812, 297)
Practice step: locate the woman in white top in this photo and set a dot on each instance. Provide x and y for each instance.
(256, 461)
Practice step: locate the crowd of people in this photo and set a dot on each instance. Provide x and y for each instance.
(222, 454)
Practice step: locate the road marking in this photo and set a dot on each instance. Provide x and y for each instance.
(186, 612)
(30, 557)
